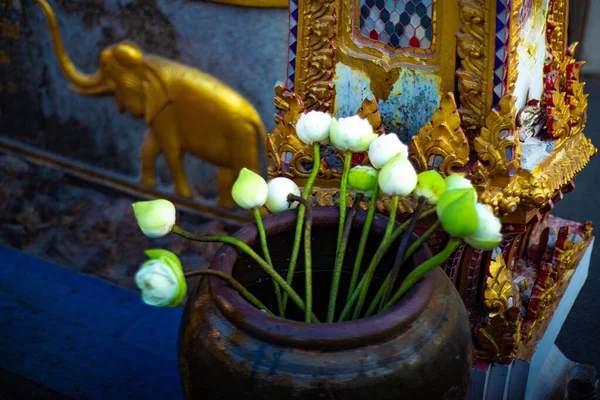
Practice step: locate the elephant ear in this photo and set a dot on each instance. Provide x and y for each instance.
(156, 93)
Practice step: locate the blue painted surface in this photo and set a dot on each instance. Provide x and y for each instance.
(83, 337)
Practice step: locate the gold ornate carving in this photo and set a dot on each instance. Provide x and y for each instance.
(515, 37)
(556, 37)
(567, 159)
(576, 99)
(553, 275)
(555, 105)
(500, 335)
(497, 146)
(441, 143)
(473, 49)
(314, 69)
(183, 108)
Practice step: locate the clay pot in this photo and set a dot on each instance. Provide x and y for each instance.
(228, 349)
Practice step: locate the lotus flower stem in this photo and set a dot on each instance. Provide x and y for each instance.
(381, 250)
(307, 251)
(300, 221)
(363, 241)
(248, 250)
(265, 249)
(413, 247)
(422, 270)
(339, 259)
(377, 257)
(234, 283)
(402, 247)
(343, 185)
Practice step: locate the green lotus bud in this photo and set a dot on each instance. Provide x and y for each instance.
(250, 190)
(362, 179)
(351, 134)
(155, 218)
(430, 184)
(451, 195)
(161, 279)
(457, 213)
(456, 181)
(487, 236)
(398, 176)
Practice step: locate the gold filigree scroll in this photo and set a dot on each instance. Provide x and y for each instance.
(314, 69)
(515, 38)
(499, 336)
(497, 145)
(473, 49)
(555, 105)
(556, 25)
(576, 99)
(441, 143)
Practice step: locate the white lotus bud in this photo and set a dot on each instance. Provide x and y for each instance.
(161, 279)
(398, 176)
(487, 236)
(382, 149)
(313, 127)
(155, 217)
(279, 188)
(351, 134)
(250, 190)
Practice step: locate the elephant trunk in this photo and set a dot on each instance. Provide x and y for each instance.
(77, 78)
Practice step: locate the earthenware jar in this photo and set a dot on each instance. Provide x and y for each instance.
(228, 349)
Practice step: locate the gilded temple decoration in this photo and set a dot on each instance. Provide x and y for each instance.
(314, 69)
(515, 104)
(556, 33)
(472, 49)
(441, 143)
(576, 99)
(555, 272)
(496, 145)
(500, 334)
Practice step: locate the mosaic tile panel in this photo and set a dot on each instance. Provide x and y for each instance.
(292, 44)
(502, 49)
(398, 24)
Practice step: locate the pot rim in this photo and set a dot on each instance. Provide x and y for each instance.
(323, 336)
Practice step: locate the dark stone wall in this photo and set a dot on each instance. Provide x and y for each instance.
(244, 47)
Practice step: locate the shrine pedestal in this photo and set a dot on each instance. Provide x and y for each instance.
(545, 373)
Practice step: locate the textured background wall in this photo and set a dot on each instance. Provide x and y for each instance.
(244, 47)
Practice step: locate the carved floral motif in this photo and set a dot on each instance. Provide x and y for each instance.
(496, 145)
(473, 50)
(441, 143)
(314, 71)
(500, 335)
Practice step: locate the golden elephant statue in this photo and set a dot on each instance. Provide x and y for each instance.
(186, 111)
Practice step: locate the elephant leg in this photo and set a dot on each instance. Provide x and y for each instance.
(174, 159)
(150, 150)
(225, 180)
